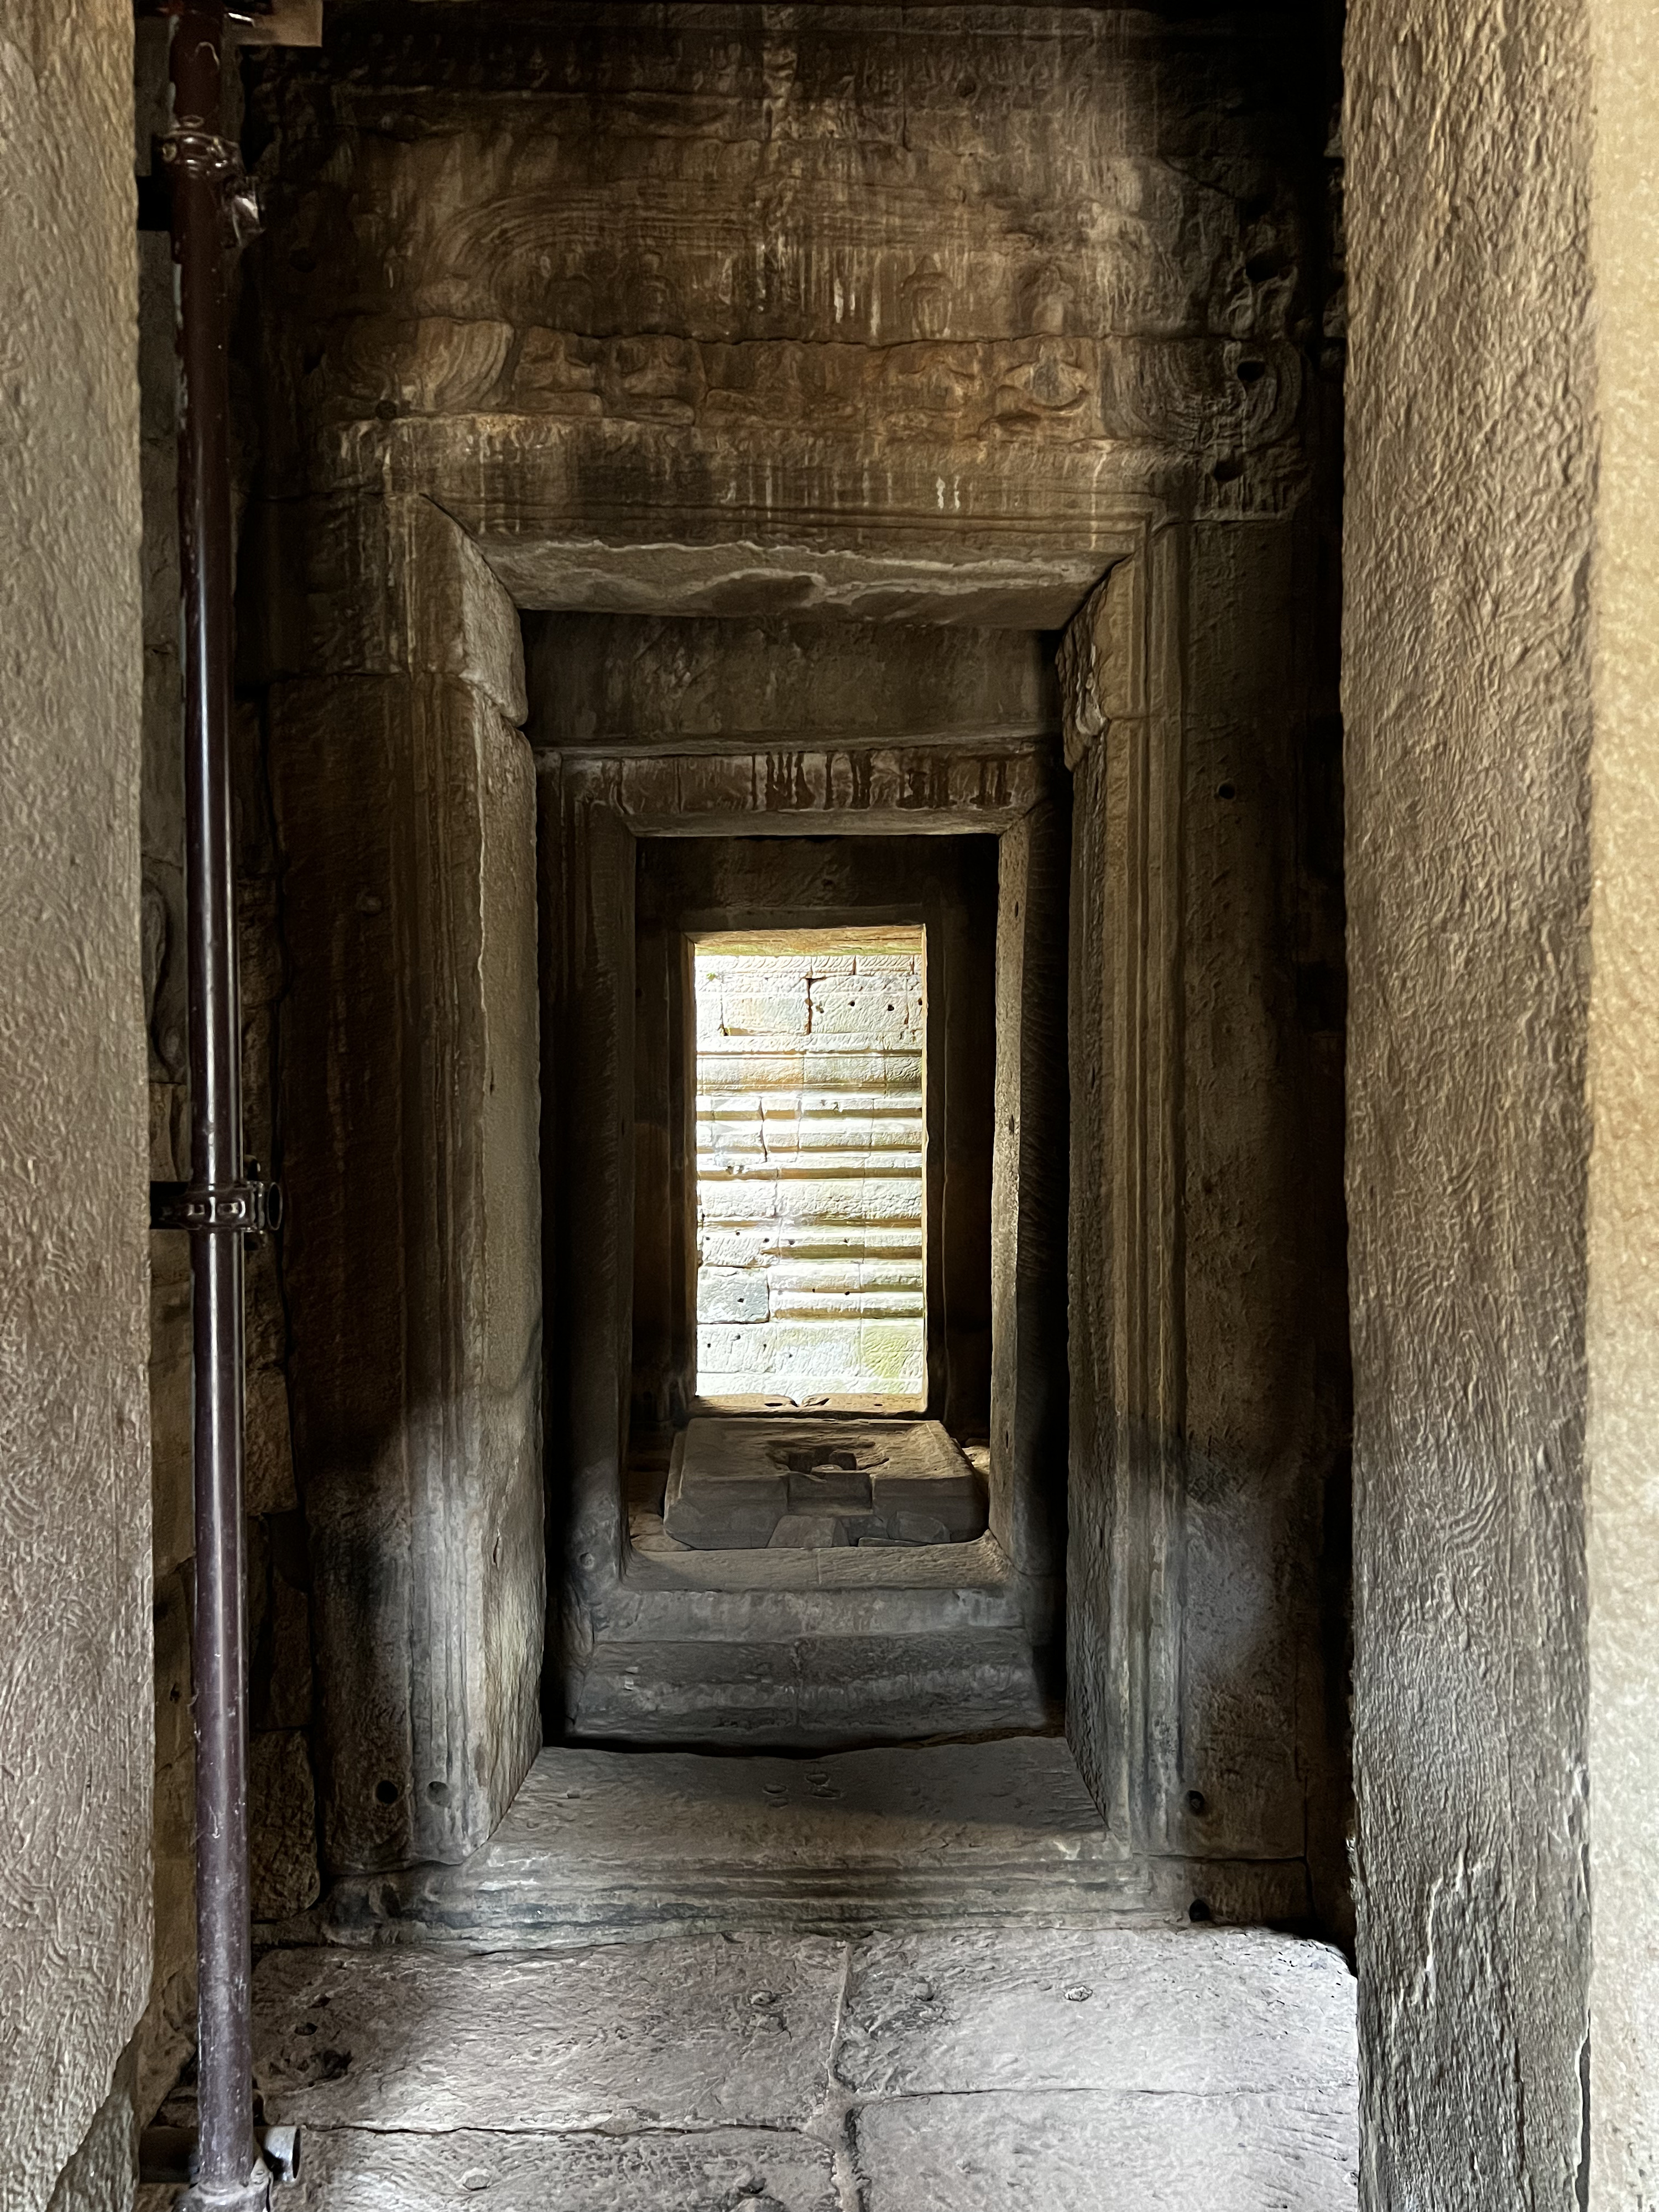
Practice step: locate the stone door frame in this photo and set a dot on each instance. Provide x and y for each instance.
(403, 595)
(594, 809)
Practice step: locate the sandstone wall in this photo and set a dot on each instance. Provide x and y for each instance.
(75, 1695)
(1498, 690)
(1622, 1306)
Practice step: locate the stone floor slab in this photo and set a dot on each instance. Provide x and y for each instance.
(1198, 2012)
(1091, 2151)
(726, 2170)
(947, 2069)
(723, 2031)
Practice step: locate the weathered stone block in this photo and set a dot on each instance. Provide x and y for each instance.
(760, 1482)
(366, 586)
(711, 2170)
(269, 1474)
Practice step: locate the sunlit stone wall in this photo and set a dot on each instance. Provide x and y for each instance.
(811, 1143)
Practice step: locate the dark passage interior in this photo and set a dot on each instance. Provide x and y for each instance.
(734, 1613)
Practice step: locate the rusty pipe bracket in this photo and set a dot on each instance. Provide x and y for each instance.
(199, 153)
(187, 152)
(252, 1207)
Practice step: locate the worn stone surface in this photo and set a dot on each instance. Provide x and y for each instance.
(1030, 1383)
(100, 2176)
(942, 286)
(1135, 2012)
(1204, 2153)
(1499, 690)
(1188, 2070)
(1623, 1535)
(829, 1688)
(727, 2031)
(608, 1847)
(281, 1824)
(713, 2170)
(1207, 1568)
(658, 1562)
(167, 2033)
(656, 680)
(75, 1674)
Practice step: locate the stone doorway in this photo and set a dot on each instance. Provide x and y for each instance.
(813, 1153)
(954, 833)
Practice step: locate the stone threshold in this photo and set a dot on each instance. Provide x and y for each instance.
(607, 1846)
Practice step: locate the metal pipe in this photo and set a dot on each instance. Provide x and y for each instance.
(168, 2154)
(231, 2176)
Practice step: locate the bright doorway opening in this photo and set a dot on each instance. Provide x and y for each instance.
(811, 1187)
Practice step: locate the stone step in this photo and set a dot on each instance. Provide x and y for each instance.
(604, 1846)
(616, 1846)
(814, 1694)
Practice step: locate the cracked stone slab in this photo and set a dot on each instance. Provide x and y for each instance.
(357, 2170)
(720, 2031)
(1088, 2149)
(1193, 2012)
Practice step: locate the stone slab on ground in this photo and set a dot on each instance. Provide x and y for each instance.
(1147, 2011)
(602, 1844)
(356, 2170)
(726, 2030)
(1205, 2071)
(1088, 2151)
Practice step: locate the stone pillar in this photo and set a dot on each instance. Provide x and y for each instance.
(1503, 745)
(1208, 1367)
(405, 805)
(586, 865)
(1028, 1210)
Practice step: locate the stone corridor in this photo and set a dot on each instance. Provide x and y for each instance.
(908, 1980)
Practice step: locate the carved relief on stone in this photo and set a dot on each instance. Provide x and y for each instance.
(1201, 393)
(557, 375)
(433, 366)
(1049, 385)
